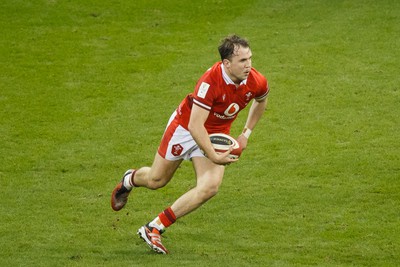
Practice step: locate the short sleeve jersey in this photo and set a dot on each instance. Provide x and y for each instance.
(217, 93)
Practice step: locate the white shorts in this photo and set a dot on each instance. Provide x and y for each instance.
(177, 143)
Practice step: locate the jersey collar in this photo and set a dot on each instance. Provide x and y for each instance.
(227, 79)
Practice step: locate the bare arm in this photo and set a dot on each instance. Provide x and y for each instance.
(256, 111)
(200, 135)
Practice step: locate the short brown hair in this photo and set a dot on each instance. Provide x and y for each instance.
(229, 44)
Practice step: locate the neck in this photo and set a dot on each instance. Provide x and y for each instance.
(232, 78)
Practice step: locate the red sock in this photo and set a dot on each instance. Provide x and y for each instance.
(167, 217)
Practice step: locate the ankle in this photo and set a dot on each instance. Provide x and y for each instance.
(128, 180)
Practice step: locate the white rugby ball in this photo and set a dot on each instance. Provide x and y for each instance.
(222, 142)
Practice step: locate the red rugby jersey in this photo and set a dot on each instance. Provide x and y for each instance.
(216, 93)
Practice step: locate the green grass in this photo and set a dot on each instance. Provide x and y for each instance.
(86, 88)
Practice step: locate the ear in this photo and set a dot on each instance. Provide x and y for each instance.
(226, 63)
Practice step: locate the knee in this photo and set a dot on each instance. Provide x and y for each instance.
(156, 183)
(208, 192)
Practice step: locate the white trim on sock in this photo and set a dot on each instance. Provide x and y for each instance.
(154, 223)
(127, 180)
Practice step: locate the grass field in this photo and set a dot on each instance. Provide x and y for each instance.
(86, 88)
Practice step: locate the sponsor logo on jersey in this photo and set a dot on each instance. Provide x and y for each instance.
(232, 110)
(229, 113)
(223, 117)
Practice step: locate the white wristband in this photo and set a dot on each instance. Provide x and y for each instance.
(246, 132)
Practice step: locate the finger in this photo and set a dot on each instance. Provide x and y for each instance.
(226, 154)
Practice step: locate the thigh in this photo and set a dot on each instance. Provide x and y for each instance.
(163, 169)
(208, 174)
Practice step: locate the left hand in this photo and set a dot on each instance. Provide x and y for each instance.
(242, 141)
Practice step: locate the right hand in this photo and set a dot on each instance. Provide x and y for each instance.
(222, 158)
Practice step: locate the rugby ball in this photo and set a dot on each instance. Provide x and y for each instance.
(221, 143)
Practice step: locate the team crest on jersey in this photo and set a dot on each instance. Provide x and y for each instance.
(248, 95)
(177, 150)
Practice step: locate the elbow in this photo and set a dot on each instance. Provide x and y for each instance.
(262, 106)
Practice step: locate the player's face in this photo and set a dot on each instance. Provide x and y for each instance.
(238, 68)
